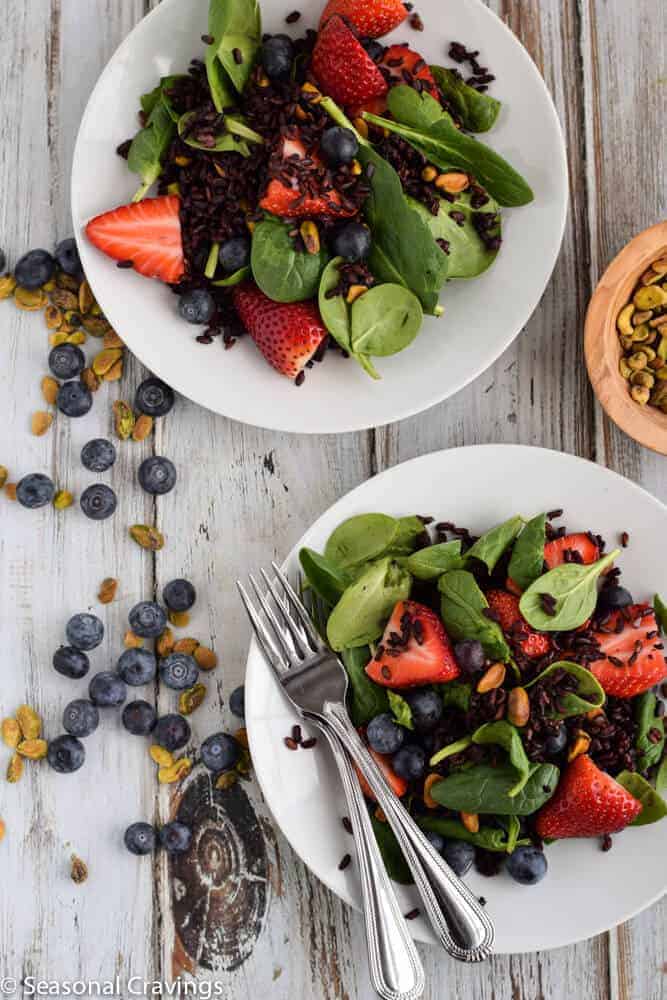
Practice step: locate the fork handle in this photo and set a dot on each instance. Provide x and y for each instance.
(395, 968)
(459, 922)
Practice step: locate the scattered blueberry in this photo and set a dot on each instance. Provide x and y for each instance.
(237, 702)
(409, 762)
(277, 57)
(613, 598)
(35, 490)
(235, 254)
(147, 619)
(34, 269)
(219, 752)
(98, 502)
(459, 855)
(172, 732)
(179, 595)
(66, 361)
(339, 145)
(352, 242)
(469, 655)
(527, 865)
(140, 838)
(154, 398)
(157, 475)
(67, 257)
(71, 662)
(98, 455)
(197, 306)
(66, 754)
(137, 666)
(175, 837)
(556, 742)
(427, 708)
(74, 399)
(107, 690)
(384, 735)
(374, 49)
(139, 718)
(179, 671)
(436, 840)
(81, 718)
(84, 631)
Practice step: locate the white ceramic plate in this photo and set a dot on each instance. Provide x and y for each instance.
(482, 317)
(586, 891)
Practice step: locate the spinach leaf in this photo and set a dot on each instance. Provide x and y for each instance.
(485, 789)
(235, 26)
(149, 147)
(400, 710)
(458, 746)
(410, 528)
(648, 721)
(167, 83)
(488, 837)
(326, 579)
(334, 310)
(527, 561)
(394, 862)
(467, 255)
(222, 91)
(661, 779)
(365, 607)
(149, 100)
(233, 279)
(660, 609)
(361, 538)
(478, 112)
(385, 320)
(654, 807)
(492, 545)
(432, 562)
(225, 142)
(462, 611)
(505, 735)
(280, 271)
(367, 699)
(574, 589)
(456, 694)
(513, 831)
(589, 694)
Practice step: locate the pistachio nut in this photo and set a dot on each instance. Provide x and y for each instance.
(179, 619)
(10, 491)
(29, 722)
(582, 742)
(206, 658)
(90, 379)
(57, 338)
(470, 821)
(226, 780)
(186, 645)
(637, 361)
(28, 300)
(15, 769)
(3, 475)
(624, 368)
(492, 679)
(650, 297)
(32, 749)
(165, 643)
(53, 317)
(518, 707)
(64, 299)
(143, 427)
(11, 733)
(105, 360)
(147, 537)
(86, 299)
(161, 756)
(643, 378)
(115, 372)
(191, 699)
(310, 236)
(111, 339)
(132, 641)
(67, 281)
(640, 394)
(96, 326)
(123, 419)
(49, 389)
(107, 590)
(431, 780)
(63, 499)
(175, 772)
(40, 422)
(7, 286)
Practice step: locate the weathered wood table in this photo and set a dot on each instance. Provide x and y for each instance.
(251, 917)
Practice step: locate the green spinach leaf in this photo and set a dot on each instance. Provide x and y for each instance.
(574, 589)
(505, 735)
(661, 779)
(589, 694)
(360, 539)
(400, 710)
(235, 26)
(394, 862)
(410, 528)
(478, 112)
(660, 609)
(167, 83)
(326, 579)
(225, 142)
(468, 256)
(648, 721)
(462, 611)
(149, 147)
(385, 320)
(493, 544)
(654, 807)
(488, 837)
(365, 607)
(233, 279)
(334, 310)
(367, 699)
(485, 789)
(451, 750)
(456, 694)
(432, 562)
(527, 561)
(148, 101)
(280, 271)
(513, 831)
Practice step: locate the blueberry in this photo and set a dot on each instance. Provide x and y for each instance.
(179, 671)
(66, 361)
(459, 855)
(197, 306)
(436, 840)
(84, 631)
(179, 595)
(277, 57)
(154, 398)
(172, 732)
(175, 837)
(219, 752)
(140, 838)
(35, 490)
(147, 619)
(98, 455)
(556, 742)
(374, 49)
(427, 708)
(614, 597)
(139, 718)
(107, 690)
(339, 145)
(66, 754)
(98, 502)
(237, 702)
(384, 735)
(527, 865)
(74, 399)
(137, 666)
(469, 655)
(34, 269)
(67, 257)
(81, 718)
(409, 762)
(352, 242)
(157, 475)
(71, 662)
(235, 254)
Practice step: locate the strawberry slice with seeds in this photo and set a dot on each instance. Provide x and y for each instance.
(343, 68)
(404, 65)
(415, 650)
(505, 607)
(371, 18)
(147, 233)
(582, 548)
(635, 659)
(288, 335)
(284, 197)
(587, 803)
(397, 784)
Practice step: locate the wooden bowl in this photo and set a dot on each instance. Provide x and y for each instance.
(646, 424)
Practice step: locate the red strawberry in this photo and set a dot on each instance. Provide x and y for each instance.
(513, 587)
(397, 784)
(617, 674)
(342, 66)
(586, 803)
(371, 18)
(287, 201)
(399, 59)
(148, 233)
(425, 655)
(554, 552)
(287, 335)
(505, 606)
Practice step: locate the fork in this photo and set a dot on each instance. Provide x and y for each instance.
(315, 681)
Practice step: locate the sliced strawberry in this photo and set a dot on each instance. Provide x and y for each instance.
(633, 663)
(371, 18)
(554, 552)
(414, 650)
(147, 233)
(505, 607)
(343, 68)
(586, 803)
(287, 335)
(404, 65)
(376, 106)
(285, 199)
(397, 784)
(513, 587)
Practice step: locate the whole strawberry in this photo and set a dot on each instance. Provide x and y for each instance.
(288, 335)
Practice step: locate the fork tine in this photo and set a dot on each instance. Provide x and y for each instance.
(283, 636)
(296, 630)
(301, 612)
(272, 654)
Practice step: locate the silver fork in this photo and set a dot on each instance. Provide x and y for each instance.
(315, 681)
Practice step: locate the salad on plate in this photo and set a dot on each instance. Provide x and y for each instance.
(316, 192)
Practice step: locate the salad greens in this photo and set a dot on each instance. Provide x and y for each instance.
(660, 609)
(362, 538)
(486, 789)
(395, 863)
(654, 807)
(367, 699)
(573, 588)
(462, 611)
(150, 145)
(494, 543)
(432, 562)
(527, 561)
(487, 837)
(401, 710)
(589, 694)
(502, 734)
(362, 612)
(326, 579)
(282, 273)
(236, 29)
(478, 112)
(648, 721)
(468, 256)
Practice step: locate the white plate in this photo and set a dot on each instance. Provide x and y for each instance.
(586, 891)
(482, 317)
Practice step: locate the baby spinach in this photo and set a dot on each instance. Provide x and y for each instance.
(400, 710)
(468, 256)
(648, 721)
(334, 310)
(432, 562)
(462, 610)
(279, 269)
(233, 279)
(451, 750)
(394, 862)
(149, 147)
(360, 539)
(574, 589)
(361, 613)
(660, 609)
(527, 561)
(326, 579)
(167, 83)
(513, 831)
(149, 100)
(235, 26)
(486, 789)
(661, 779)
(493, 544)
(654, 807)
(478, 112)
(225, 142)
(410, 528)
(489, 838)
(366, 698)
(456, 694)
(385, 320)
(505, 735)
(589, 694)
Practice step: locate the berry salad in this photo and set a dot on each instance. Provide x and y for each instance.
(314, 192)
(508, 686)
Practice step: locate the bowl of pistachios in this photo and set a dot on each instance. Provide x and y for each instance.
(626, 339)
